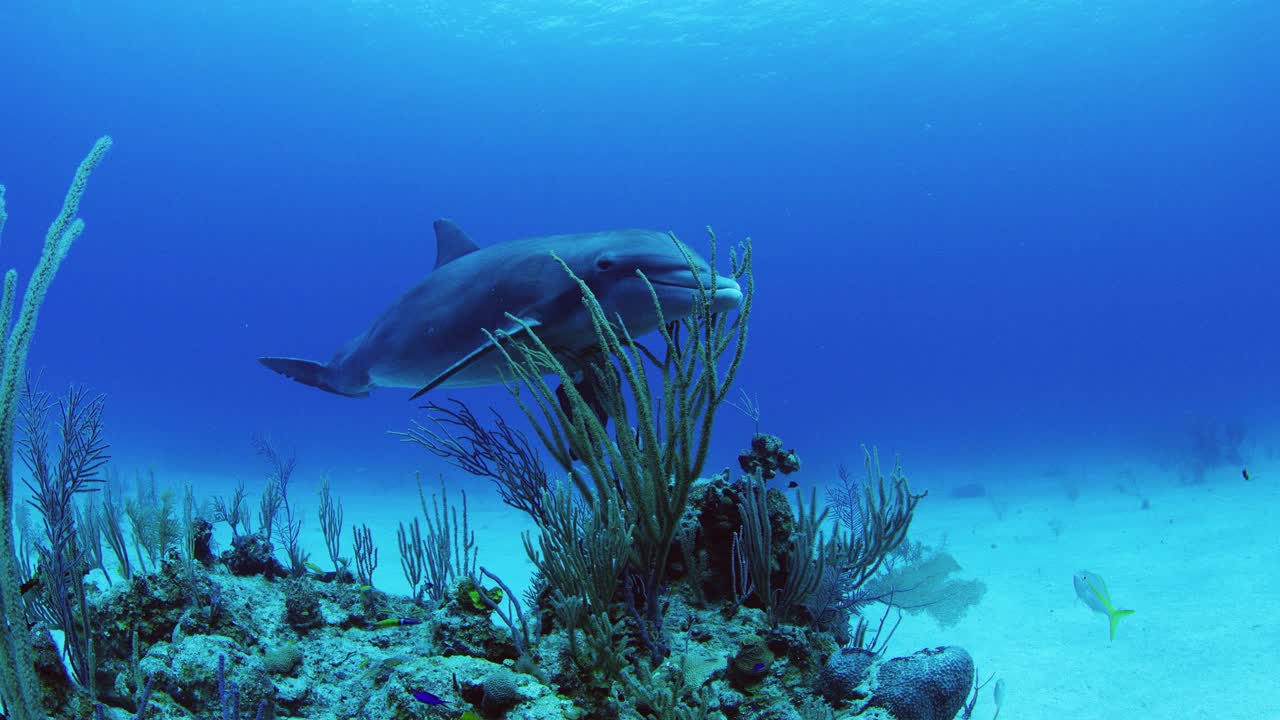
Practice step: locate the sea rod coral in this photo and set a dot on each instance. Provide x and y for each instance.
(19, 686)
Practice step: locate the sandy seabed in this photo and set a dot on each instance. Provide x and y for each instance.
(1200, 566)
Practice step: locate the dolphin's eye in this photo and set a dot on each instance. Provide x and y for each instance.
(604, 263)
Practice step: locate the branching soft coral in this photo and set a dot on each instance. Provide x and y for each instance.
(19, 686)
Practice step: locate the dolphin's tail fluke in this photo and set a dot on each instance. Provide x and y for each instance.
(317, 375)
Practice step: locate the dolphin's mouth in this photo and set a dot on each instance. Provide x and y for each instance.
(726, 294)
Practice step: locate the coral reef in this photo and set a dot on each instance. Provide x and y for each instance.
(319, 648)
(844, 674)
(659, 594)
(767, 457)
(927, 685)
(253, 555)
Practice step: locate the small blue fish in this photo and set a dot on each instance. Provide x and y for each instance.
(759, 667)
(428, 698)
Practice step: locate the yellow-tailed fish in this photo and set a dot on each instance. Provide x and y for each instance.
(1091, 589)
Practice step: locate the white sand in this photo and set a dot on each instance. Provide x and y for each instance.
(1201, 567)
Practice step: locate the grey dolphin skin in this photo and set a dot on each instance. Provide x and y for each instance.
(434, 335)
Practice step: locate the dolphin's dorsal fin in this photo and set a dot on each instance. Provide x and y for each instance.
(520, 327)
(451, 242)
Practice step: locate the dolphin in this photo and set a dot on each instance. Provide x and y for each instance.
(434, 335)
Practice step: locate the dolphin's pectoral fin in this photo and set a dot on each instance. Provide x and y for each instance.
(451, 242)
(453, 369)
(488, 346)
(307, 372)
(588, 388)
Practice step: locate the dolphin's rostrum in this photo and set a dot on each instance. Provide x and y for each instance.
(435, 334)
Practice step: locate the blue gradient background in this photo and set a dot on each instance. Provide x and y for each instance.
(984, 230)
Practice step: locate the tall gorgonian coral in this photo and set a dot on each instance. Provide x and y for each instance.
(19, 686)
(663, 420)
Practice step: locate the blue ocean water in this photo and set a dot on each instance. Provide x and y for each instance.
(985, 231)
